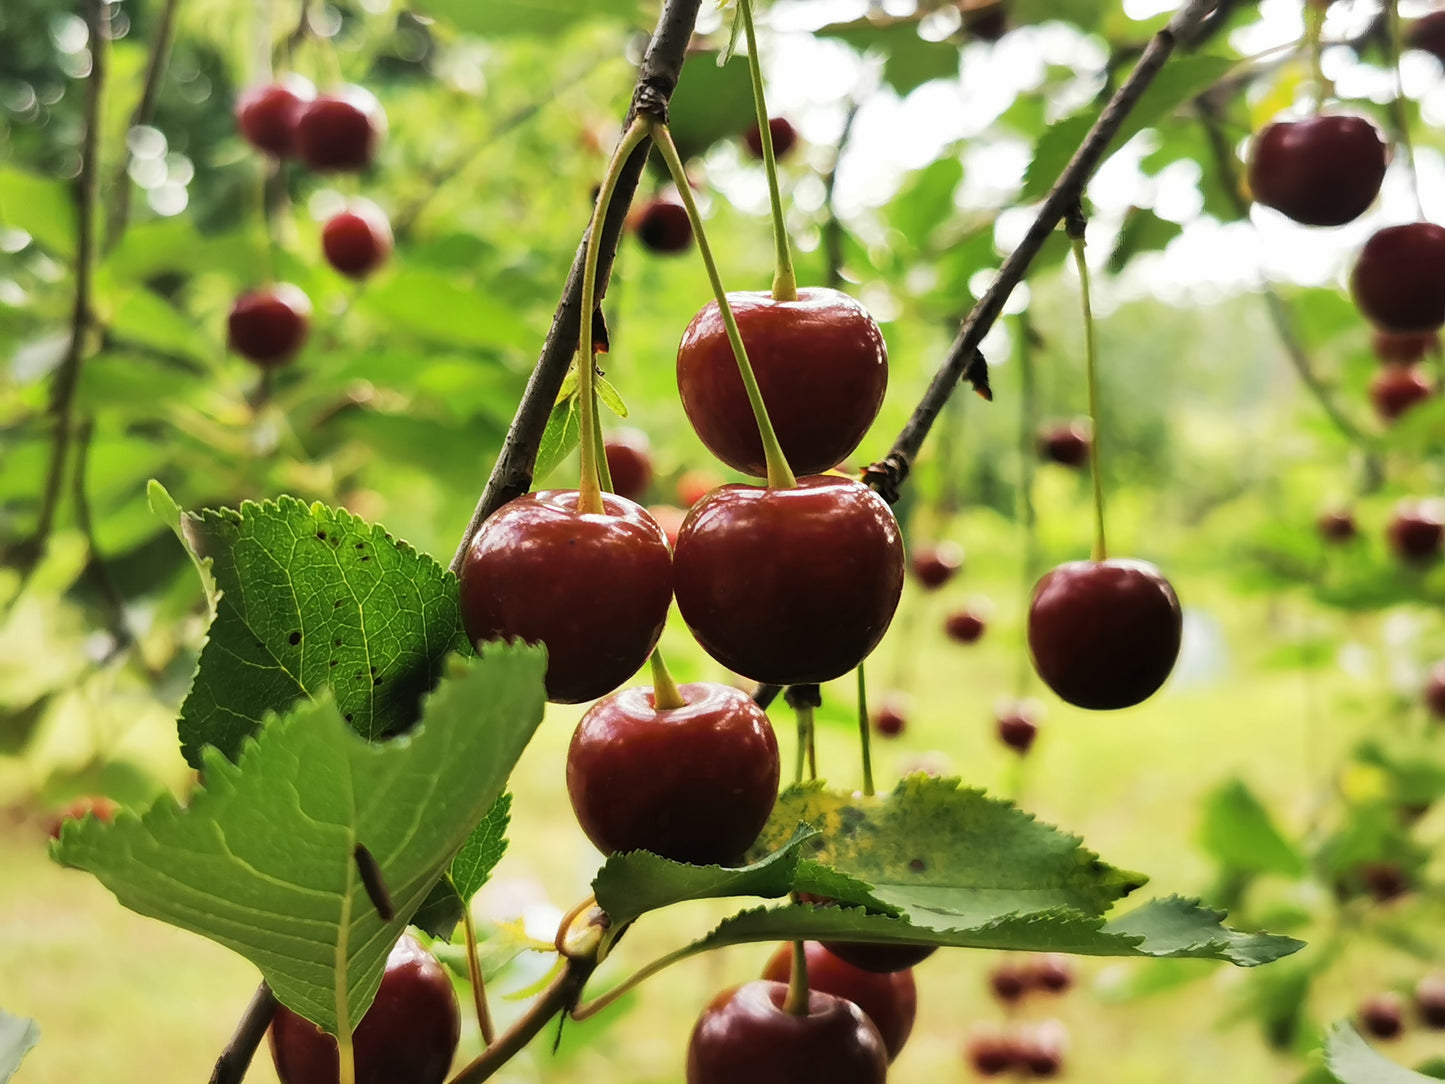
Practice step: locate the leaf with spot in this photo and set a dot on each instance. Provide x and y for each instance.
(261, 859)
(307, 599)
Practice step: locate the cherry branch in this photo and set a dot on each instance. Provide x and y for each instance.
(235, 1059)
(656, 79)
(561, 996)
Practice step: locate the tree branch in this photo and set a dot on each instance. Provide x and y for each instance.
(559, 997)
(656, 80)
(231, 1066)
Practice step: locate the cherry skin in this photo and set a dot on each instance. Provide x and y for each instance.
(1399, 279)
(358, 240)
(964, 626)
(1428, 33)
(268, 326)
(889, 1001)
(820, 363)
(267, 115)
(694, 784)
(1320, 171)
(1406, 348)
(1430, 1000)
(789, 586)
(1417, 530)
(1337, 525)
(1051, 972)
(986, 24)
(1009, 982)
(1383, 1015)
(1104, 635)
(933, 566)
(747, 1035)
(1435, 691)
(339, 133)
(662, 225)
(879, 958)
(593, 588)
(891, 718)
(991, 1054)
(629, 463)
(1018, 727)
(1066, 444)
(785, 137)
(410, 1032)
(1397, 388)
(1040, 1051)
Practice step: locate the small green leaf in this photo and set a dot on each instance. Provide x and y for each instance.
(610, 399)
(473, 865)
(18, 1035)
(41, 207)
(559, 439)
(1240, 835)
(909, 61)
(712, 102)
(1179, 927)
(1353, 1061)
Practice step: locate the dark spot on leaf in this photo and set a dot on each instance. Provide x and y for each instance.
(367, 557)
(348, 716)
(361, 545)
(917, 865)
(335, 643)
(321, 535)
(359, 676)
(376, 681)
(331, 663)
(294, 638)
(338, 604)
(373, 669)
(260, 644)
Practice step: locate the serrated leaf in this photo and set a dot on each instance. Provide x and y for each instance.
(18, 1035)
(1177, 927)
(441, 912)
(1351, 1060)
(1238, 832)
(312, 598)
(610, 398)
(261, 860)
(473, 865)
(559, 438)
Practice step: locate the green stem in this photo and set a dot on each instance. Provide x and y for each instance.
(1314, 25)
(785, 279)
(346, 1057)
(474, 972)
(589, 489)
(1028, 455)
(865, 734)
(627, 985)
(666, 696)
(802, 716)
(797, 999)
(604, 472)
(556, 998)
(1090, 369)
(1397, 107)
(780, 475)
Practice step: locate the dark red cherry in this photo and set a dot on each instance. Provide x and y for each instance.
(1383, 1015)
(891, 717)
(1428, 33)
(789, 586)
(1051, 972)
(1018, 726)
(91, 805)
(889, 1001)
(1066, 443)
(934, 565)
(629, 463)
(357, 240)
(964, 626)
(991, 1054)
(1039, 1050)
(694, 784)
(410, 1032)
(746, 1037)
(1399, 279)
(593, 588)
(785, 136)
(878, 958)
(1416, 530)
(1008, 981)
(1104, 635)
(268, 326)
(340, 132)
(1320, 171)
(1430, 1000)
(820, 364)
(662, 225)
(1406, 348)
(986, 23)
(1337, 525)
(1385, 881)
(1397, 388)
(1435, 691)
(267, 115)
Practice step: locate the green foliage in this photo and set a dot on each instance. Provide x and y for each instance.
(1240, 835)
(909, 61)
(1351, 1061)
(17, 1036)
(531, 18)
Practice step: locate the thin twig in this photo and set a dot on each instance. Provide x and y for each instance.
(832, 225)
(559, 997)
(231, 1066)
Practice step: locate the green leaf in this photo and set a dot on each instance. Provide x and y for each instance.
(18, 1034)
(473, 865)
(925, 201)
(41, 207)
(712, 102)
(1143, 231)
(559, 439)
(444, 309)
(1240, 835)
(610, 398)
(1353, 1061)
(1179, 927)
(312, 598)
(261, 859)
(441, 911)
(537, 18)
(908, 60)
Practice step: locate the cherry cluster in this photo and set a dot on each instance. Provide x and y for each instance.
(1415, 532)
(1384, 1015)
(1035, 1050)
(329, 133)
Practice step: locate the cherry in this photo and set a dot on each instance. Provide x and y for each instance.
(410, 1032)
(696, 484)
(1405, 348)
(95, 805)
(1399, 279)
(1337, 525)
(933, 566)
(358, 240)
(879, 958)
(628, 463)
(1397, 388)
(662, 225)
(986, 24)
(1428, 33)
(1416, 530)
(1009, 982)
(267, 115)
(693, 784)
(789, 586)
(889, 1001)
(891, 718)
(339, 133)
(593, 588)
(1429, 1000)
(1320, 171)
(991, 1054)
(1104, 635)
(785, 136)
(964, 626)
(1051, 972)
(1435, 691)
(1383, 1015)
(745, 1034)
(1066, 443)
(1385, 881)
(1040, 1050)
(1018, 726)
(820, 363)
(268, 326)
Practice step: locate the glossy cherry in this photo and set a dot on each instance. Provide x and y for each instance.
(1320, 171)
(1399, 279)
(410, 1032)
(1430, 1000)
(1382, 1015)
(785, 137)
(629, 463)
(965, 626)
(1066, 443)
(934, 565)
(1417, 530)
(1435, 691)
(268, 326)
(1104, 635)
(662, 225)
(340, 132)
(1337, 525)
(358, 240)
(745, 1035)
(1397, 388)
(1405, 348)
(694, 784)
(790, 586)
(1428, 33)
(1017, 726)
(267, 115)
(593, 588)
(891, 717)
(889, 1001)
(820, 363)
(879, 958)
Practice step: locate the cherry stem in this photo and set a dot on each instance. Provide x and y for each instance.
(865, 735)
(1397, 107)
(474, 972)
(589, 489)
(785, 279)
(1076, 236)
(780, 475)
(1028, 452)
(806, 750)
(666, 696)
(797, 999)
(1314, 25)
(604, 472)
(627, 985)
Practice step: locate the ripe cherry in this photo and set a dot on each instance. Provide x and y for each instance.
(785, 136)
(1383, 1015)
(629, 463)
(879, 958)
(747, 1035)
(1104, 635)
(593, 588)
(1337, 525)
(694, 784)
(991, 1054)
(1397, 388)
(986, 23)
(1428, 33)
(891, 717)
(268, 326)
(820, 364)
(1417, 530)
(1040, 1050)
(95, 805)
(410, 1032)
(696, 484)
(933, 566)
(1009, 982)
(340, 132)
(1018, 725)
(965, 626)
(789, 586)
(1430, 1000)
(1399, 279)
(358, 240)
(889, 1001)
(1406, 348)
(267, 115)
(662, 225)
(1066, 443)
(1051, 972)
(1435, 691)
(1320, 171)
